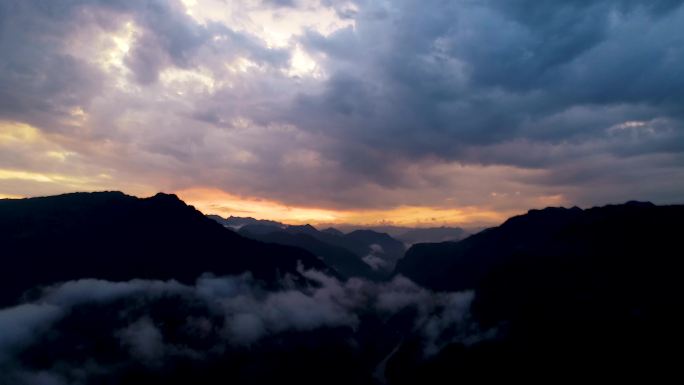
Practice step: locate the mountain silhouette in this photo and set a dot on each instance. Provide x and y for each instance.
(432, 234)
(569, 290)
(110, 235)
(346, 263)
(333, 231)
(627, 233)
(238, 222)
(360, 253)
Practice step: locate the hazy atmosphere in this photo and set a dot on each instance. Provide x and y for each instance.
(360, 112)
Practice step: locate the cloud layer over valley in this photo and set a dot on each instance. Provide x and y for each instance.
(112, 330)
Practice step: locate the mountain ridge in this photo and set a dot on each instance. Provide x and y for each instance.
(551, 228)
(111, 235)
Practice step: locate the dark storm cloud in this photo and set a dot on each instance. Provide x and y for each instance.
(437, 79)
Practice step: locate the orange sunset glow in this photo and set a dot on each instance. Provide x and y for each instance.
(214, 201)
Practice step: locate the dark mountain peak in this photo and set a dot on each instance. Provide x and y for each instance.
(305, 229)
(645, 204)
(574, 209)
(168, 201)
(551, 210)
(236, 223)
(367, 234)
(365, 231)
(232, 217)
(110, 193)
(558, 216)
(547, 218)
(166, 197)
(332, 231)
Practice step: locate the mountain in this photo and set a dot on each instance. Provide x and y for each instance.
(432, 235)
(632, 230)
(346, 263)
(568, 291)
(410, 235)
(259, 229)
(375, 253)
(378, 249)
(238, 222)
(333, 231)
(361, 253)
(110, 235)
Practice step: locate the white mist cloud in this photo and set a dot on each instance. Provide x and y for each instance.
(20, 324)
(144, 341)
(234, 312)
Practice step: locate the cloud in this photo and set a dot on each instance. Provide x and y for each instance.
(151, 324)
(375, 262)
(349, 105)
(20, 324)
(144, 341)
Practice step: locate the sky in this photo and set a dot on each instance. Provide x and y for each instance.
(414, 113)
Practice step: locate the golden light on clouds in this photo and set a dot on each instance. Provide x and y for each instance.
(10, 196)
(12, 132)
(42, 166)
(62, 182)
(214, 201)
(424, 216)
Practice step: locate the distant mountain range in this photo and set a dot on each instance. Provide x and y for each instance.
(236, 223)
(408, 235)
(432, 235)
(360, 253)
